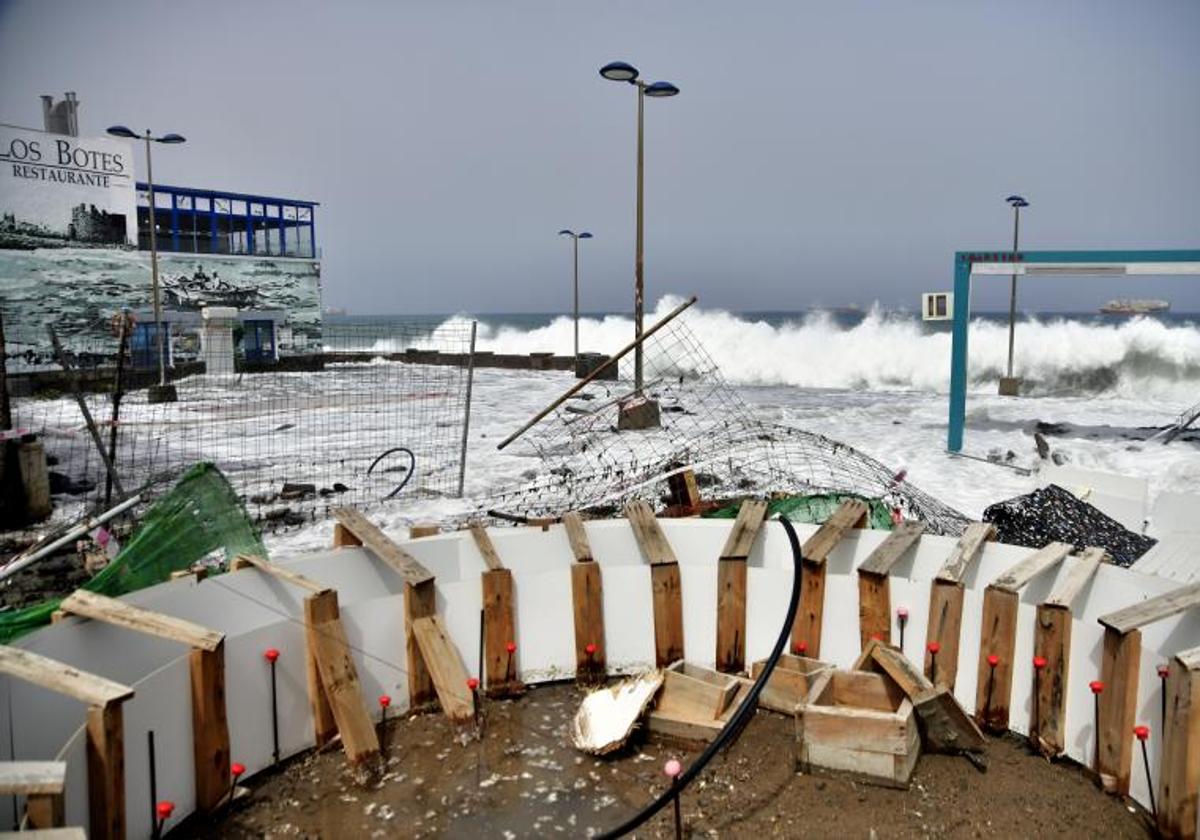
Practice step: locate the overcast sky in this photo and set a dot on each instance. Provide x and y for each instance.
(820, 152)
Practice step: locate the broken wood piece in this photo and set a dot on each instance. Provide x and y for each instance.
(608, 716)
(420, 601)
(966, 551)
(379, 544)
(1039, 561)
(889, 552)
(1153, 609)
(683, 492)
(42, 784)
(487, 549)
(745, 530)
(243, 561)
(577, 537)
(140, 620)
(731, 586)
(849, 515)
(648, 533)
(790, 682)
(422, 529)
(445, 668)
(1068, 589)
(338, 678)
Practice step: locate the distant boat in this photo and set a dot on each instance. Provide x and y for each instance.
(1129, 306)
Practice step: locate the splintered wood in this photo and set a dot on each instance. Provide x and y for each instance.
(806, 629)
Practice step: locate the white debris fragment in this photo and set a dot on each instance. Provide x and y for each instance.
(607, 716)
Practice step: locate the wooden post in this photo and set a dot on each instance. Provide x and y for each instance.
(41, 783)
(45, 810)
(665, 587)
(997, 637)
(210, 727)
(874, 586)
(1118, 706)
(422, 529)
(731, 587)
(420, 601)
(683, 492)
(946, 603)
(499, 631)
(343, 536)
(810, 614)
(587, 597)
(319, 608)
(106, 771)
(1179, 773)
(338, 679)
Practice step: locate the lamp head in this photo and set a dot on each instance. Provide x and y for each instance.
(585, 235)
(171, 138)
(565, 232)
(1017, 201)
(120, 131)
(661, 89)
(619, 71)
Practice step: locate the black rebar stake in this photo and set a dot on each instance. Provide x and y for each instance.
(987, 703)
(933, 666)
(903, 623)
(1149, 781)
(1096, 698)
(154, 821)
(1162, 678)
(1035, 725)
(274, 715)
(678, 817)
(482, 678)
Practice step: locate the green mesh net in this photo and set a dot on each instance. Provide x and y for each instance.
(198, 516)
(814, 509)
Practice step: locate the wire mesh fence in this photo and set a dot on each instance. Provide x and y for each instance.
(377, 412)
(592, 463)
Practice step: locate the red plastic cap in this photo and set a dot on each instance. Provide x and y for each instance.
(1096, 686)
(472, 683)
(934, 647)
(800, 647)
(1039, 662)
(165, 809)
(237, 768)
(993, 660)
(902, 612)
(271, 654)
(384, 700)
(1142, 732)
(591, 648)
(511, 647)
(1163, 671)
(877, 637)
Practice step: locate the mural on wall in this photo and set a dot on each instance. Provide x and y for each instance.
(78, 290)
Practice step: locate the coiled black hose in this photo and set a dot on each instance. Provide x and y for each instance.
(412, 467)
(734, 726)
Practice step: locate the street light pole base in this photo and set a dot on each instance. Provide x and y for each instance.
(162, 394)
(1010, 386)
(637, 413)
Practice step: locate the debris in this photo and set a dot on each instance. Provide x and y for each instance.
(607, 716)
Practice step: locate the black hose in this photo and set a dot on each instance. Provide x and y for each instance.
(734, 726)
(412, 467)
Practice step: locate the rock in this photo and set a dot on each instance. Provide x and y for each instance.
(292, 492)
(1043, 448)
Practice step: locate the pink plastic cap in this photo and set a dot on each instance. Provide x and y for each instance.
(673, 768)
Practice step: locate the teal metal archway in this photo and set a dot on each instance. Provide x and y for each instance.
(968, 264)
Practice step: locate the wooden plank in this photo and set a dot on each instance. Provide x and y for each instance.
(864, 730)
(683, 491)
(422, 529)
(499, 631)
(789, 683)
(689, 697)
(382, 546)
(966, 551)
(339, 684)
(587, 597)
(998, 637)
(889, 552)
(1052, 642)
(1039, 561)
(902, 670)
(210, 727)
(863, 690)
(26, 777)
(318, 609)
(445, 667)
(44, 811)
(420, 601)
(1153, 609)
(243, 561)
(141, 620)
(483, 541)
(1118, 706)
(874, 608)
(343, 537)
(666, 592)
(1179, 773)
(810, 613)
(945, 627)
(947, 727)
(731, 615)
(745, 530)
(577, 537)
(61, 678)
(1077, 578)
(106, 771)
(850, 514)
(649, 535)
(68, 833)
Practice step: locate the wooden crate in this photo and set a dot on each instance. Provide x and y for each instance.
(695, 703)
(860, 723)
(789, 683)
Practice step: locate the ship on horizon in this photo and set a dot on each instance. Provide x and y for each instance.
(1135, 306)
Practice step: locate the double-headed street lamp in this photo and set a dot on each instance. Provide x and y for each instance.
(575, 237)
(619, 71)
(1010, 386)
(164, 392)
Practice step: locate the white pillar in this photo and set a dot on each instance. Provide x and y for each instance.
(216, 338)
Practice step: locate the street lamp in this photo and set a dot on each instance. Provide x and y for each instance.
(1010, 386)
(619, 71)
(163, 392)
(575, 237)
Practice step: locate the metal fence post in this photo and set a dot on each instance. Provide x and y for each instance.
(462, 458)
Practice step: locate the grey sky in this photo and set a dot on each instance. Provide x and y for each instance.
(828, 152)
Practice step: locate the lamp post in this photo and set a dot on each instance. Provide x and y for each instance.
(1009, 385)
(619, 71)
(575, 237)
(162, 392)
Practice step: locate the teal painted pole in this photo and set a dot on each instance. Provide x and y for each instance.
(958, 353)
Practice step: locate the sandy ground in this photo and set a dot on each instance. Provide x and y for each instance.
(524, 779)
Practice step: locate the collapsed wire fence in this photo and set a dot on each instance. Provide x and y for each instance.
(591, 464)
(375, 413)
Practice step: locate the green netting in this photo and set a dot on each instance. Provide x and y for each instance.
(199, 515)
(814, 509)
